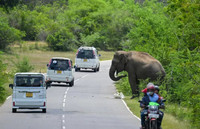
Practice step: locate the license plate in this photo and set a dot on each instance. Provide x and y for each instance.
(29, 94)
(153, 115)
(59, 72)
(85, 60)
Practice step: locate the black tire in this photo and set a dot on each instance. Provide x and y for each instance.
(95, 69)
(14, 110)
(71, 83)
(44, 110)
(98, 69)
(147, 124)
(153, 124)
(77, 69)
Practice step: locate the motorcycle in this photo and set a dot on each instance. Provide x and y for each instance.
(151, 115)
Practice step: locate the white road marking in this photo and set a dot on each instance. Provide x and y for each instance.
(76, 80)
(64, 101)
(84, 76)
(8, 97)
(63, 104)
(65, 96)
(130, 110)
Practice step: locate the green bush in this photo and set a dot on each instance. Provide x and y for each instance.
(3, 79)
(7, 34)
(61, 40)
(23, 65)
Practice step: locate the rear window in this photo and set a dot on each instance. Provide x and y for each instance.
(86, 54)
(59, 64)
(29, 81)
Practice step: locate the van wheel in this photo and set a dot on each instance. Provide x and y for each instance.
(71, 83)
(77, 69)
(14, 110)
(44, 110)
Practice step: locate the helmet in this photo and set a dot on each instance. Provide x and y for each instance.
(152, 87)
(157, 88)
(150, 84)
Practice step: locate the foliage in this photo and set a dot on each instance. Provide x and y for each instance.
(23, 65)
(7, 34)
(3, 79)
(187, 15)
(170, 33)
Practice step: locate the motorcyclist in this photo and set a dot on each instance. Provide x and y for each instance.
(157, 89)
(145, 89)
(151, 97)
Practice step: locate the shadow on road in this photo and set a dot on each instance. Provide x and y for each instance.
(86, 71)
(60, 85)
(28, 111)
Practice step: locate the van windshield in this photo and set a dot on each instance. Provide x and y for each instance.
(29, 81)
(59, 64)
(86, 54)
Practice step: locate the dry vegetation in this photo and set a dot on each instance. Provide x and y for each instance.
(39, 55)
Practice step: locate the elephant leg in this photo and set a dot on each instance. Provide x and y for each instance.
(134, 87)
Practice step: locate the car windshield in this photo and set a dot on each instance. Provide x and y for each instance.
(86, 54)
(29, 81)
(59, 64)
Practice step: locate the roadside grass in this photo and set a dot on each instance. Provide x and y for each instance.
(39, 56)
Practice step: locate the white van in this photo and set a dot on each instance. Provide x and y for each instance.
(29, 91)
(87, 58)
(60, 70)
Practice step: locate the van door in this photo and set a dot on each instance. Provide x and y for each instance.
(29, 90)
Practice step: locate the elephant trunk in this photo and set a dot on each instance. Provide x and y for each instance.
(112, 74)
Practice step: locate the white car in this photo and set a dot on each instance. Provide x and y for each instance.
(87, 58)
(60, 70)
(29, 91)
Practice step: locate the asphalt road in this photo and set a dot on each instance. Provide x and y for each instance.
(89, 104)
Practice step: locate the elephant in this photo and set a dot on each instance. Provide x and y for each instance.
(138, 65)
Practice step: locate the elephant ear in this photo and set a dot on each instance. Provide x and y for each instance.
(123, 58)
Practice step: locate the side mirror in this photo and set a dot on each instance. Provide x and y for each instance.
(11, 86)
(99, 55)
(47, 65)
(164, 100)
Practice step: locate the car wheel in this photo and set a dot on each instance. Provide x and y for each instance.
(98, 69)
(77, 69)
(71, 83)
(44, 110)
(14, 110)
(95, 69)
